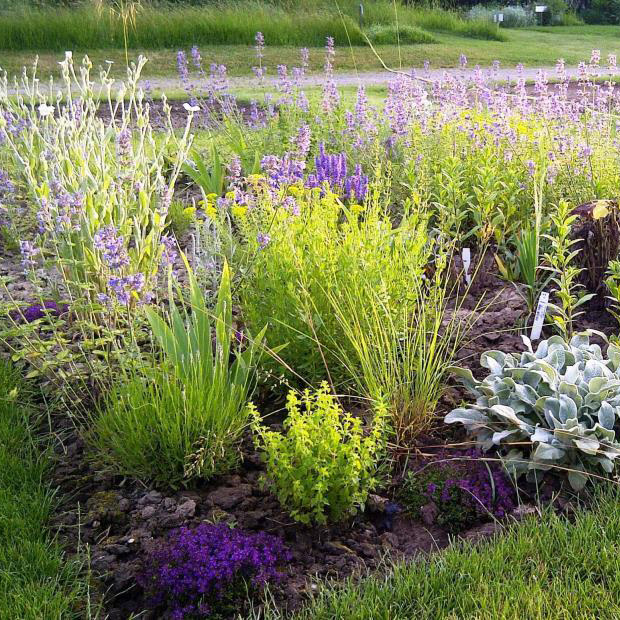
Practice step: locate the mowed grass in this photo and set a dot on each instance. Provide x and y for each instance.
(221, 23)
(36, 582)
(534, 48)
(542, 569)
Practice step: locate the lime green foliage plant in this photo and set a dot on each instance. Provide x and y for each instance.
(329, 252)
(613, 284)
(182, 416)
(323, 467)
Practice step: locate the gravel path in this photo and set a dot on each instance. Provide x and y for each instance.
(378, 78)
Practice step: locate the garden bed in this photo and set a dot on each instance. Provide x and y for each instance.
(248, 352)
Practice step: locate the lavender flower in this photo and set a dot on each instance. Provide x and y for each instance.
(6, 185)
(125, 286)
(29, 253)
(169, 253)
(196, 57)
(182, 69)
(123, 144)
(301, 142)
(195, 569)
(283, 170)
(263, 240)
(112, 246)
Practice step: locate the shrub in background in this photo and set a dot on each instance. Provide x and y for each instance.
(553, 408)
(463, 486)
(405, 35)
(182, 416)
(206, 571)
(603, 12)
(514, 16)
(325, 464)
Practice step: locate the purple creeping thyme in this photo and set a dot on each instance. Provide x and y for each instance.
(463, 485)
(39, 310)
(197, 571)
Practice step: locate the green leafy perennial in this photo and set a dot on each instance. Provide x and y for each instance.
(557, 407)
(325, 465)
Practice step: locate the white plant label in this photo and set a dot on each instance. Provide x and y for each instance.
(466, 255)
(539, 318)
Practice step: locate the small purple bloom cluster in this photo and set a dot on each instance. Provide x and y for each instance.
(112, 246)
(123, 287)
(332, 169)
(284, 170)
(464, 486)
(37, 311)
(196, 571)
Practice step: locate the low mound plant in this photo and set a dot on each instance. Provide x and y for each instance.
(382, 34)
(553, 408)
(207, 571)
(325, 463)
(459, 489)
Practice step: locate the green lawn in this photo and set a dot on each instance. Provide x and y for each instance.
(537, 47)
(36, 583)
(545, 569)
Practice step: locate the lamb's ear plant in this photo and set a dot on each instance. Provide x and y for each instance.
(182, 416)
(555, 408)
(564, 273)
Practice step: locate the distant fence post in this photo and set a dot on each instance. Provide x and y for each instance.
(361, 15)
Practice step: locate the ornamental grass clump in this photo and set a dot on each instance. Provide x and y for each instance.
(207, 571)
(556, 408)
(326, 463)
(180, 415)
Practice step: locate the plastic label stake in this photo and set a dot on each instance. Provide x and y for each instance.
(466, 256)
(539, 318)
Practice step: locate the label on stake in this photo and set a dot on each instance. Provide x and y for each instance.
(466, 256)
(539, 318)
